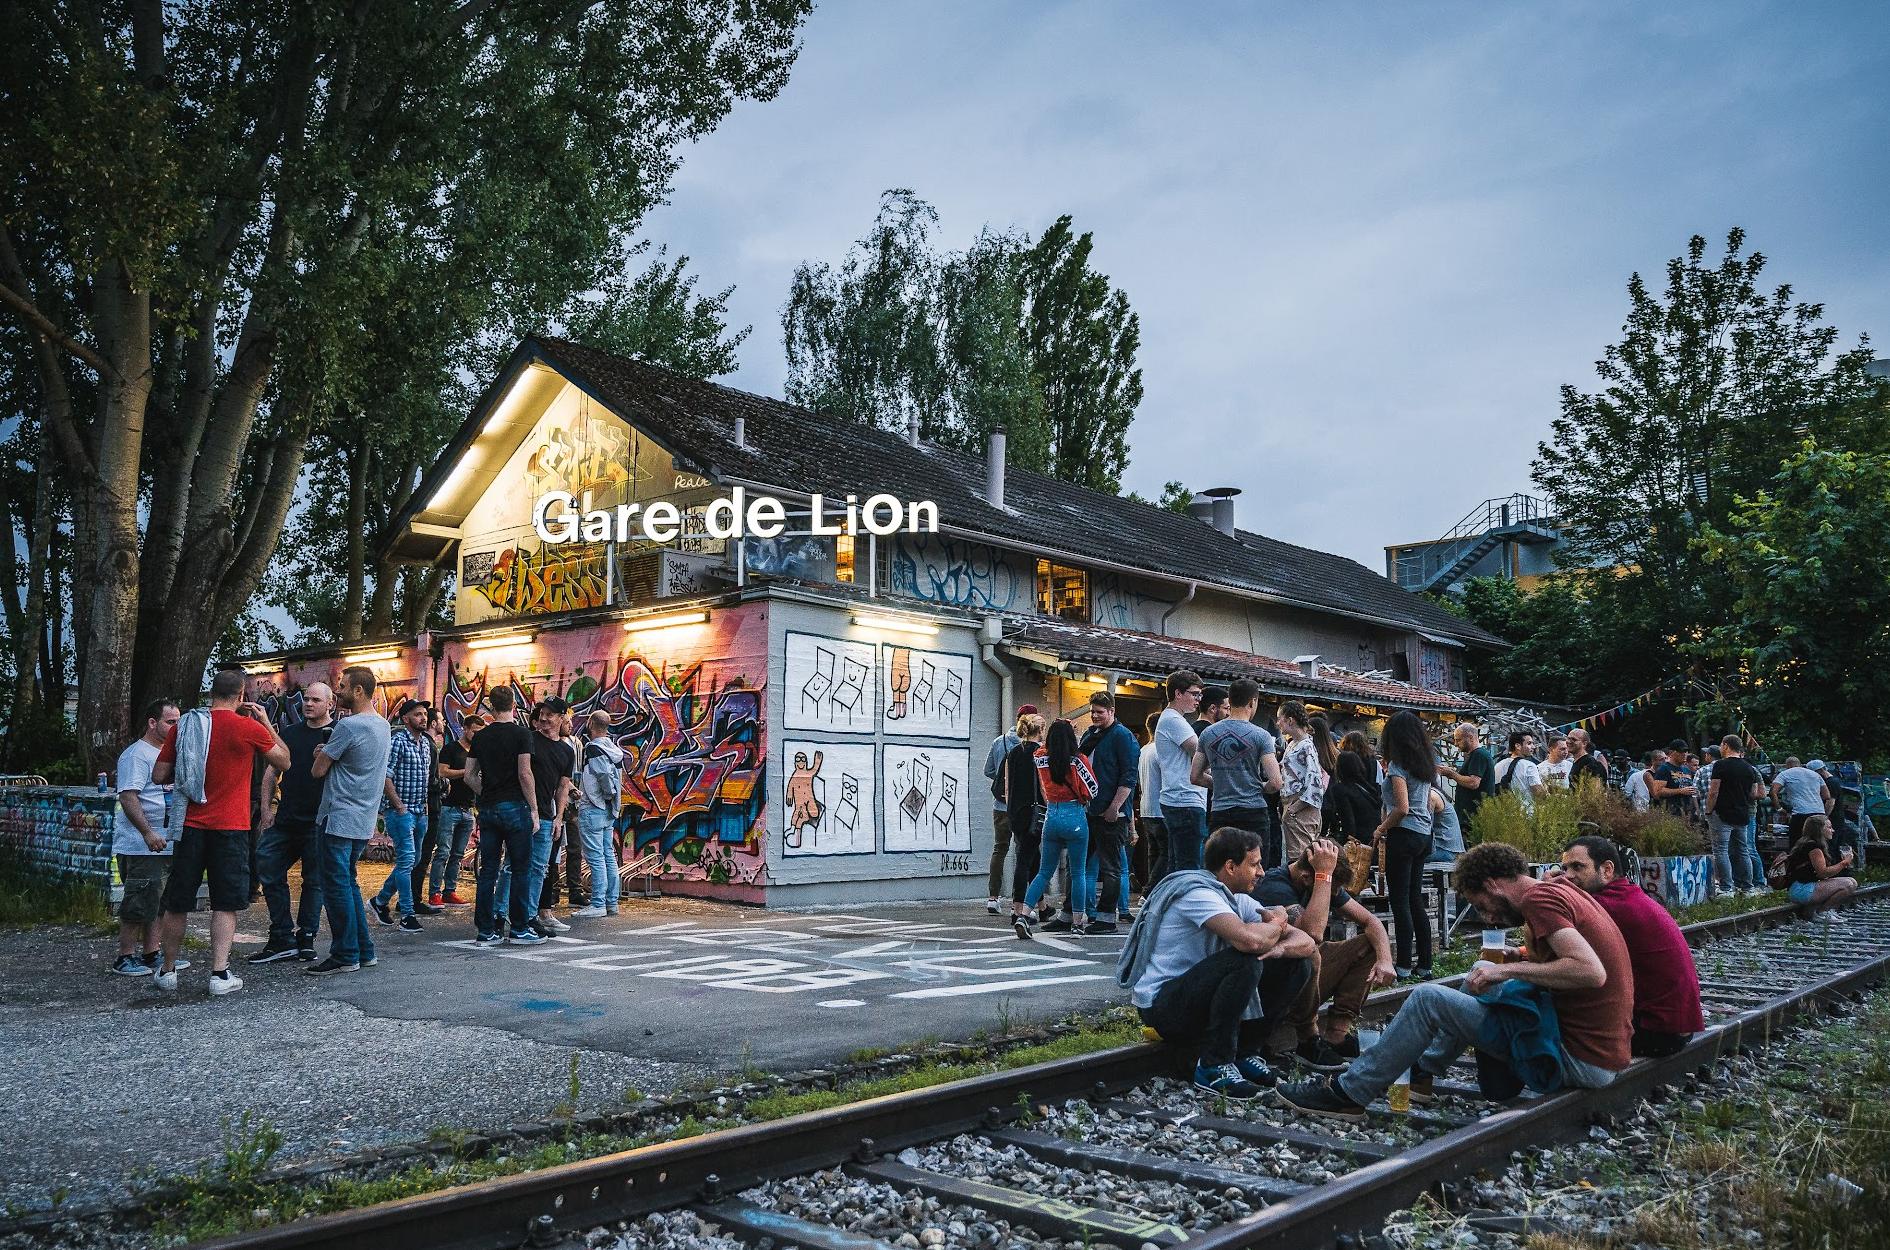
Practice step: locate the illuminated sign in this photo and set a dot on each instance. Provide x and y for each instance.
(557, 518)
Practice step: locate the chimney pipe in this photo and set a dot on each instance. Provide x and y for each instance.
(741, 432)
(994, 469)
(1308, 664)
(1219, 508)
(912, 429)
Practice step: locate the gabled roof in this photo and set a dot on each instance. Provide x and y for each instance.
(791, 449)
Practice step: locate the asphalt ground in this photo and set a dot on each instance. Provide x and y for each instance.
(111, 1079)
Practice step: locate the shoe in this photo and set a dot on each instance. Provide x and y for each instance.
(1057, 924)
(305, 952)
(410, 925)
(1422, 973)
(271, 952)
(427, 909)
(530, 937)
(1022, 927)
(131, 966)
(330, 966)
(610, 911)
(381, 912)
(551, 923)
(1319, 1095)
(226, 982)
(436, 900)
(991, 906)
(454, 900)
(489, 939)
(1101, 928)
(1347, 1049)
(166, 981)
(1125, 918)
(1225, 1079)
(1257, 1071)
(1423, 1087)
(151, 962)
(370, 961)
(1318, 1054)
(1046, 914)
(1404, 973)
(534, 926)
(588, 913)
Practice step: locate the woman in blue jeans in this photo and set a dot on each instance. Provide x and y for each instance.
(1405, 830)
(1068, 785)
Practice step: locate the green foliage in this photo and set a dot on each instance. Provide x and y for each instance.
(1560, 816)
(29, 897)
(1175, 497)
(1810, 628)
(1011, 333)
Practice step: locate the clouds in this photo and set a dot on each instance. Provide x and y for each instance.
(1366, 242)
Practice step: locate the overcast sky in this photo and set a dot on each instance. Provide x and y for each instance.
(1367, 242)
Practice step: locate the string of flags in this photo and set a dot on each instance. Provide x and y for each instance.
(1621, 711)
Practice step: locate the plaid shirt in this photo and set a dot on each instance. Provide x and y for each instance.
(410, 766)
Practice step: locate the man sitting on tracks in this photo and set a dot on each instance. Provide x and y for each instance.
(1666, 983)
(1588, 975)
(1344, 972)
(1208, 964)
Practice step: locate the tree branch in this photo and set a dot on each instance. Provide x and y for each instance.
(36, 321)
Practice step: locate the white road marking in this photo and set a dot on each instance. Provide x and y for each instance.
(991, 987)
(843, 1002)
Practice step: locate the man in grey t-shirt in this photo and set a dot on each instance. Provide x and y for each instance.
(353, 764)
(1236, 758)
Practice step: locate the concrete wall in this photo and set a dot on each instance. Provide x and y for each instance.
(62, 832)
(1285, 632)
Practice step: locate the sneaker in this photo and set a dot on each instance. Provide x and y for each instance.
(534, 926)
(151, 961)
(1320, 1095)
(426, 909)
(454, 900)
(588, 913)
(305, 952)
(1422, 973)
(551, 923)
(381, 912)
(1423, 1087)
(1404, 973)
(410, 925)
(1101, 928)
(330, 966)
(370, 961)
(166, 981)
(270, 953)
(225, 982)
(610, 911)
(1057, 924)
(489, 939)
(1022, 927)
(436, 900)
(1257, 1071)
(991, 906)
(131, 966)
(1348, 1048)
(1225, 1079)
(530, 937)
(1125, 918)
(1319, 1055)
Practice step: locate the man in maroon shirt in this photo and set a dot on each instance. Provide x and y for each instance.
(1666, 983)
(215, 838)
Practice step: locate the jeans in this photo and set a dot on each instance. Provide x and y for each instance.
(1405, 853)
(1749, 846)
(1434, 1025)
(456, 825)
(1029, 845)
(404, 830)
(278, 849)
(505, 842)
(1207, 1003)
(1187, 834)
(1065, 828)
(1103, 878)
(594, 824)
(425, 852)
(1000, 844)
(543, 838)
(351, 942)
(1730, 871)
(1255, 820)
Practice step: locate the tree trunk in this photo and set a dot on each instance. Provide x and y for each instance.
(351, 609)
(380, 612)
(424, 592)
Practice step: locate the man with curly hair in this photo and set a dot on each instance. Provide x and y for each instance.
(1575, 953)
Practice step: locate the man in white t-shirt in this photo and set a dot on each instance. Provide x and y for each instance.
(1208, 964)
(1636, 788)
(1554, 771)
(139, 842)
(1519, 772)
(1184, 804)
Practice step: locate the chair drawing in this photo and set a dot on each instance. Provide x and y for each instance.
(947, 810)
(953, 698)
(852, 688)
(847, 815)
(815, 688)
(922, 689)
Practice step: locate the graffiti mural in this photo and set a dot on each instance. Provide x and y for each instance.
(827, 798)
(927, 693)
(1115, 602)
(926, 799)
(588, 452)
(280, 694)
(832, 683)
(963, 574)
(519, 582)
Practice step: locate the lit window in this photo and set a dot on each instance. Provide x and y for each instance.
(843, 558)
(1062, 591)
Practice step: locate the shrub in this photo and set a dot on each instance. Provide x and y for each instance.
(1561, 816)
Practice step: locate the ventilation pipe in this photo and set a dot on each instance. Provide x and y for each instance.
(990, 634)
(994, 469)
(1218, 508)
(741, 433)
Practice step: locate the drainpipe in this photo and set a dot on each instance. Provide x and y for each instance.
(990, 634)
(1177, 606)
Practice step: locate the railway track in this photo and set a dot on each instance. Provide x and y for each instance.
(1113, 1148)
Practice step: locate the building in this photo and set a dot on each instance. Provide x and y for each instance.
(1512, 536)
(806, 716)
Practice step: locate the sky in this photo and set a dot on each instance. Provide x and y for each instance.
(1368, 242)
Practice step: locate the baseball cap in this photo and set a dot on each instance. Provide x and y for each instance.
(1817, 766)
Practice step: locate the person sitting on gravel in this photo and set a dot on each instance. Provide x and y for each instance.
(1589, 978)
(1207, 964)
(1344, 972)
(1813, 872)
(1666, 982)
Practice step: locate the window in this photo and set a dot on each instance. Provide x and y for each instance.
(843, 558)
(1062, 591)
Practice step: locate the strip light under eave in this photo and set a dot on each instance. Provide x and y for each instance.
(496, 641)
(666, 620)
(372, 657)
(894, 624)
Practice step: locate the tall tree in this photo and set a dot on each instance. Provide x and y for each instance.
(205, 205)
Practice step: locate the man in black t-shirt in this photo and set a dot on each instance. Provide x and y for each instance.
(289, 834)
(554, 764)
(1671, 782)
(458, 810)
(1730, 795)
(1588, 765)
(1312, 887)
(500, 773)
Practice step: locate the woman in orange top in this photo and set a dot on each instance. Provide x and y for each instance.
(1068, 785)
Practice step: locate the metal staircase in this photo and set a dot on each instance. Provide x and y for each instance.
(1511, 518)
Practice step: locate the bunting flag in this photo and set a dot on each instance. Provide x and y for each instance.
(1620, 711)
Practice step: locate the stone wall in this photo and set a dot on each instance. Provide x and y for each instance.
(60, 831)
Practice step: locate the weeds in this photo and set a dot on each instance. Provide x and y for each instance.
(29, 897)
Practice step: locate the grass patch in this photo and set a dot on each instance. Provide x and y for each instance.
(28, 897)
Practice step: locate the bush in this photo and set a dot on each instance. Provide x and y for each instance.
(1655, 834)
(1561, 816)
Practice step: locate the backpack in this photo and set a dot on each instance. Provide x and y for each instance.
(1503, 782)
(1778, 874)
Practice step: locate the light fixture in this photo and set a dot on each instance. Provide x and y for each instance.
(895, 624)
(666, 620)
(372, 657)
(494, 641)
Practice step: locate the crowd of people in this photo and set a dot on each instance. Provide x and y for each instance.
(220, 796)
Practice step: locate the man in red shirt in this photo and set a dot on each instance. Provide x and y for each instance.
(215, 837)
(1666, 982)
